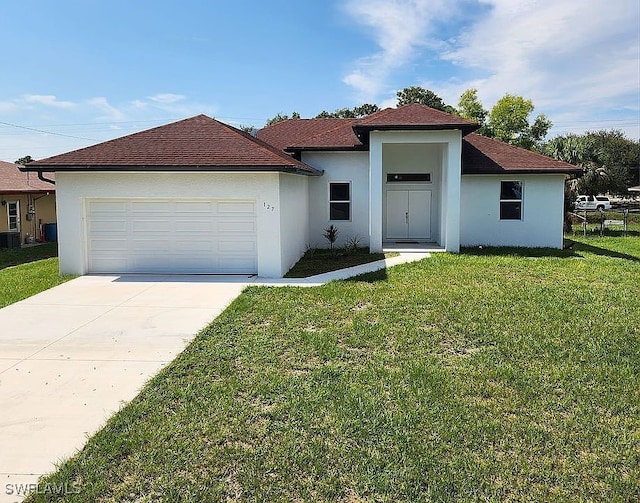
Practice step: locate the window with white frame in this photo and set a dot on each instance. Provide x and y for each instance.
(511, 200)
(339, 200)
(13, 215)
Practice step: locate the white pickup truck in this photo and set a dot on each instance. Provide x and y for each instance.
(592, 203)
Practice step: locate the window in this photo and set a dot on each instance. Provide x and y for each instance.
(13, 213)
(408, 177)
(511, 200)
(340, 201)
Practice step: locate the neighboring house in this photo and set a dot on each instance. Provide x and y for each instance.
(26, 203)
(199, 196)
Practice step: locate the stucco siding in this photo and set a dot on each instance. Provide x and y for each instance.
(74, 189)
(542, 212)
(294, 220)
(350, 167)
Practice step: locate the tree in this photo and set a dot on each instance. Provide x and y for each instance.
(470, 107)
(509, 122)
(279, 117)
(417, 94)
(608, 158)
(350, 113)
(24, 160)
(248, 128)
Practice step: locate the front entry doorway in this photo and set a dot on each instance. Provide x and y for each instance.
(408, 215)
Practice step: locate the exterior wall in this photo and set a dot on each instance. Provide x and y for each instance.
(542, 212)
(294, 220)
(451, 141)
(74, 188)
(45, 206)
(338, 167)
(414, 158)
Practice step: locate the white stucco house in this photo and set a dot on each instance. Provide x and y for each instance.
(199, 196)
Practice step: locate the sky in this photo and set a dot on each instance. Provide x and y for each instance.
(78, 72)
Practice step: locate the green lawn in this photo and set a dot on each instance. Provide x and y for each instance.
(493, 375)
(16, 256)
(27, 271)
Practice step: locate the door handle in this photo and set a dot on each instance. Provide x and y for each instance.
(406, 217)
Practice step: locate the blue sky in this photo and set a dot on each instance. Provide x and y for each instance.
(76, 72)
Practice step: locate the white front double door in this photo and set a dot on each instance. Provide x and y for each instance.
(408, 215)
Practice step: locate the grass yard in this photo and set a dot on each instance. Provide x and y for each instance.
(27, 271)
(486, 376)
(17, 256)
(318, 261)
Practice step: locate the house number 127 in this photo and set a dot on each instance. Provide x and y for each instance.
(269, 207)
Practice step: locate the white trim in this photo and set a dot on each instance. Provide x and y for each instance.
(17, 216)
(521, 201)
(329, 201)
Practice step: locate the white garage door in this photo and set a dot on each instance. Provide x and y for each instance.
(171, 236)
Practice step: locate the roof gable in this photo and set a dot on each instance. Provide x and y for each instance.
(12, 180)
(414, 115)
(199, 143)
(340, 134)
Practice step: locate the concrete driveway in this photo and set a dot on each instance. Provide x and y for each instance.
(72, 355)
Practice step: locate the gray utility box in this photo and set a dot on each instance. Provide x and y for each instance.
(9, 240)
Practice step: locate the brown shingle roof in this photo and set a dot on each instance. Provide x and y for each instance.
(298, 132)
(13, 181)
(414, 116)
(199, 143)
(334, 134)
(482, 155)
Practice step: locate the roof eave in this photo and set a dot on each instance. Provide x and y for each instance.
(341, 148)
(27, 191)
(524, 171)
(363, 130)
(92, 168)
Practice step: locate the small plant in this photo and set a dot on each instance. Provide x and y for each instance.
(331, 234)
(352, 245)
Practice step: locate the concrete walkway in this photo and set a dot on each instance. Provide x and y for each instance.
(73, 355)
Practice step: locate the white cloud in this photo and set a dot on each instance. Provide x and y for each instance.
(553, 50)
(48, 100)
(167, 98)
(400, 28)
(110, 112)
(569, 58)
(8, 106)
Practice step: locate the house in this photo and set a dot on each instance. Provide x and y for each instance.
(199, 196)
(27, 203)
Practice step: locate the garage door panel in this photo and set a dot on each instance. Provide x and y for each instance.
(248, 246)
(108, 264)
(244, 226)
(191, 226)
(150, 226)
(193, 246)
(96, 207)
(172, 236)
(107, 245)
(193, 207)
(236, 207)
(108, 225)
(154, 245)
